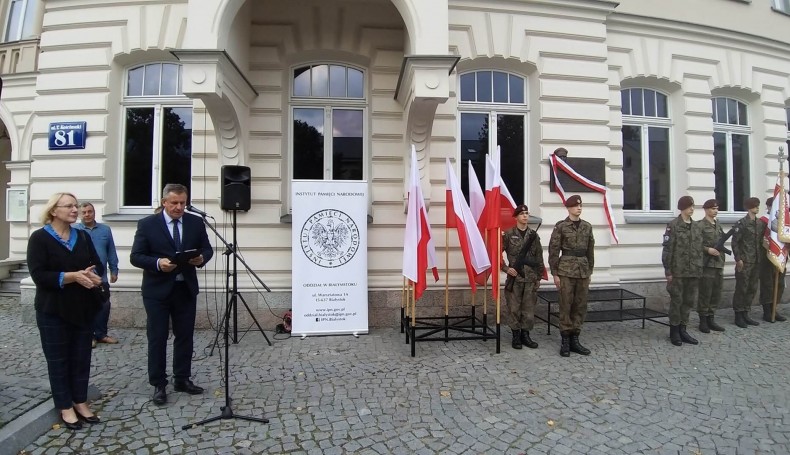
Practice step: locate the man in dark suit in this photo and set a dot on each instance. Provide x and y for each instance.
(170, 289)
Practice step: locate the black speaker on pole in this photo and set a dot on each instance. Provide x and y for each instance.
(235, 194)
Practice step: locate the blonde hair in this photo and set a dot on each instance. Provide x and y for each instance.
(46, 214)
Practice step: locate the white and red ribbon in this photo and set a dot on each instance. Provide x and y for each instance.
(556, 163)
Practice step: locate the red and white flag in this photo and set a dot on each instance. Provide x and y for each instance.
(419, 252)
(459, 216)
(477, 199)
(776, 227)
(499, 208)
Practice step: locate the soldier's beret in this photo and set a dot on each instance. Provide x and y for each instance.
(769, 202)
(685, 202)
(573, 201)
(519, 209)
(751, 203)
(710, 203)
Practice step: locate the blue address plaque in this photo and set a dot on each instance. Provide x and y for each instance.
(67, 135)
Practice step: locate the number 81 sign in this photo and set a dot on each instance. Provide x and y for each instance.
(67, 135)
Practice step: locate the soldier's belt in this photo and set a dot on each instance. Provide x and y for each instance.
(576, 253)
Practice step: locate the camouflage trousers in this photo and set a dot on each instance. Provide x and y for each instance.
(745, 287)
(520, 305)
(683, 294)
(573, 304)
(767, 276)
(710, 290)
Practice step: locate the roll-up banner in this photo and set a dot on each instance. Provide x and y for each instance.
(330, 260)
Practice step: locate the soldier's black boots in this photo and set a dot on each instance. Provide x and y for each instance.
(577, 347)
(747, 319)
(516, 339)
(565, 349)
(703, 323)
(767, 315)
(685, 337)
(712, 324)
(739, 320)
(527, 341)
(674, 335)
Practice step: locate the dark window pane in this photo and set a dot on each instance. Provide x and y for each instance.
(308, 144)
(320, 86)
(468, 87)
(474, 147)
(510, 139)
(659, 168)
(484, 86)
(632, 167)
(720, 169)
(356, 83)
(302, 81)
(732, 112)
(177, 146)
(625, 101)
(500, 87)
(740, 170)
(721, 110)
(170, 79)
(650, 103)
(138, 157)
(337, 81)
(134, 85)
(516, 89)
(153, 77)
(661, 105)
(636, 102)
(743, 118)
(347, 159)
(715, 110)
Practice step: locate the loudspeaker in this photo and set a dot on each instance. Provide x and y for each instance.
(235, 194)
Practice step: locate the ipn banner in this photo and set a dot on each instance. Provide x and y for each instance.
(329, 255)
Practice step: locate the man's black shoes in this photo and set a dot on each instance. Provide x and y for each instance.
(188, 387)
(160, 395)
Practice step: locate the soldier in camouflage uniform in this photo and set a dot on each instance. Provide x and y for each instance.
(573, 238)
(747, 249)
(713, 269)
(682, 257)
(768, 272)
(524, 270)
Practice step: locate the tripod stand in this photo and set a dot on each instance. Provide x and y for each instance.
(232, 298)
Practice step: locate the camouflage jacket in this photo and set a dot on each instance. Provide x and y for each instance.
(576, 246)
(747, 240)
(683, 251)
(512, 243)
(711, 233)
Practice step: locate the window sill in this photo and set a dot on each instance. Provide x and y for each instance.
(664, 216)
(287, 219)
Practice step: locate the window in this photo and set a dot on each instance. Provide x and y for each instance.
(328, 99)
(782, 5)
(21, 20)
(157, 134)
(645, 150)
(493, 113)
(731, 153)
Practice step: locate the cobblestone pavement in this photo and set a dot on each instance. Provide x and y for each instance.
(334, 395)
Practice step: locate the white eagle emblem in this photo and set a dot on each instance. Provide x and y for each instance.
(330, 238)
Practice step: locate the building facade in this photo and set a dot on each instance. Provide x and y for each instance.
(675, 97)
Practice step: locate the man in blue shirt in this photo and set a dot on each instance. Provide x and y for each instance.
(101, 235)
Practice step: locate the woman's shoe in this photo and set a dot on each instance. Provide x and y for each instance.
(71, 425)
(92, 420)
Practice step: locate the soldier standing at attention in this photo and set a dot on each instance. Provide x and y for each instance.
(768, 271)
(747, 248)
(573, 238)
(524, 269)
(713, 269)
(682, 258)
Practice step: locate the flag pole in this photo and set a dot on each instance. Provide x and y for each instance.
(776, 295)
(446, 282)
(499, 293)
(403, 304)
(780, 226)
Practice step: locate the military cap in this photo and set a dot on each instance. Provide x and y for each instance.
(573, 201)
(710, 203)
(769, 202)
(751, 203)
(519, 209)
(685, 202)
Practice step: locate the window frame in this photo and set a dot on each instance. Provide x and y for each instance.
(158, 103)
(28, 7)
(730, 129)
(645, 122)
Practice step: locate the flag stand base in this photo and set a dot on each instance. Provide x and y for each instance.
(448, 328)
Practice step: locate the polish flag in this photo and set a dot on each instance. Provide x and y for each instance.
(419, 252)
(459, 216)
(503, 205)
(477, 199)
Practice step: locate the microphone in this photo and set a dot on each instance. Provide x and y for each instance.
(193, 209)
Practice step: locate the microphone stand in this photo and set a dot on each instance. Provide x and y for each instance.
(227, 410)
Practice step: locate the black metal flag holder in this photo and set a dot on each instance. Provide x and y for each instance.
(230, 305)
